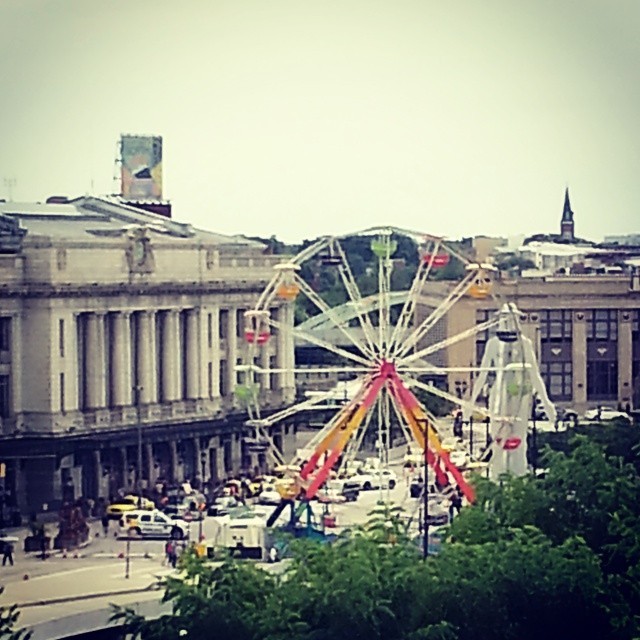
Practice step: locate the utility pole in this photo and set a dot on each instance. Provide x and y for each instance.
(203, 462)
(425, 490)
(138, 390)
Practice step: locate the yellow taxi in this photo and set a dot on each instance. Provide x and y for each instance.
(128, 503)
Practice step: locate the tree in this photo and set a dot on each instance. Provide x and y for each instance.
(555, 557)
(8, 619)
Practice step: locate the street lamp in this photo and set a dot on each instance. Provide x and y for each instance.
(203, 462)
(425, 489)
(138, 390)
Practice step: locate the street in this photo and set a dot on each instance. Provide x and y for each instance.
(73, 590)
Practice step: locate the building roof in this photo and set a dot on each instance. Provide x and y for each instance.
(90, 217)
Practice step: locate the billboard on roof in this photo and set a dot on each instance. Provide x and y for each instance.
(141, 167)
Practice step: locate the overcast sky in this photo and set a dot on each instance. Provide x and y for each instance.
(302, 118)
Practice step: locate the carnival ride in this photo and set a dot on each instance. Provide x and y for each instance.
(384, 342)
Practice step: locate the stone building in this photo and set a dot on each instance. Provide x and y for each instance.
(586, 330)
(120, 332)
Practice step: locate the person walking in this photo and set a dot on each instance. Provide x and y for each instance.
(7, 554)
(168, 552)
(105, 524)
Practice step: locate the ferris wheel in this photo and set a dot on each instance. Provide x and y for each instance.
(390, 344)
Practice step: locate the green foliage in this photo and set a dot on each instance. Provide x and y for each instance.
(8, 620)
(555, 557)
(515, 263)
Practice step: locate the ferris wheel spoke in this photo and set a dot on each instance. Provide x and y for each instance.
(303, 335)
(447, 342)
(329, 313)
(312, 250)
(401, 419)
(349, 283)
(384, 248)
(408, 308)
(458, 291)
(305, 405)
(435, 391)
(355, 443)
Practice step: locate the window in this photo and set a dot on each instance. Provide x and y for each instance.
(223, 324)
(210, 330)
(5, 334)
(602, 354)
(224, 382)
(61, 337)
(558, 377)
(635, 356)
(482, 315)
(602, 380)
(210, 378)
(240, 323)
(556, 325)
(602, 324)
(5, 396)
(62, 398)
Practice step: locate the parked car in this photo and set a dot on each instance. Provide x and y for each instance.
(269, 495)
(605, 414)
(340, 490)
(222, 504)
(190, 506)
(367, 480)
(153, 524)
(128, 503)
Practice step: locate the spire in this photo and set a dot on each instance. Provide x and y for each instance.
(567, 214)
(566, 224)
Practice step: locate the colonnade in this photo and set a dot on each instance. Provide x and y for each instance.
(168, 355)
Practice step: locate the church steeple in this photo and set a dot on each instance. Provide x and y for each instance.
(566, 224)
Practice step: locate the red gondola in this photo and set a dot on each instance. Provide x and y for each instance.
(437, 261)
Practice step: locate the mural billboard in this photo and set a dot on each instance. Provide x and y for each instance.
(141, 167)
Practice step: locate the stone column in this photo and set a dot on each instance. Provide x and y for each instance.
(219, 471)
(625, 351)
(193, 354)
(121, 371)
(173, 461)
(214, 352)
(232, 349)
(126, 476)
(96, 364)
(264, 378)
(236, 453)
(150, 464)
(289, 380)
(197, 462)
(170, 356)
(579, 357)
(281, 349)
(16, 364)
(146, 357)
(98, 480)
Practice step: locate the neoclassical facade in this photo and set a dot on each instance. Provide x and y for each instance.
(120, 333)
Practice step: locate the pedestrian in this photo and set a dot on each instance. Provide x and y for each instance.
(455, 504)
(7, 554)
(168, 552)
(105, 524)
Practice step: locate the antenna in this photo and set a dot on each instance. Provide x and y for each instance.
(117, 169)
(9, 183)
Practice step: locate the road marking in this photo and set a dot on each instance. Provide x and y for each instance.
(77, 570)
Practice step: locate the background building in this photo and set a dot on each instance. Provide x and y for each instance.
(120, 331)
(586, 330)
